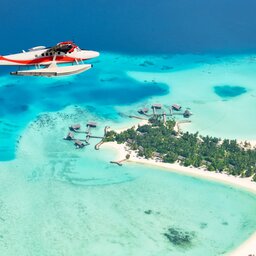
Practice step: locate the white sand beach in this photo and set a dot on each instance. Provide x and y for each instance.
(249, 246)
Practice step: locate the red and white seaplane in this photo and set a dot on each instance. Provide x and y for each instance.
(45, 60)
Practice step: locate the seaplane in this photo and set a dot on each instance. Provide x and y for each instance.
(49, 61)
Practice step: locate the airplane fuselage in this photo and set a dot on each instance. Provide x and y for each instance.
(44, 57)
(46, 60)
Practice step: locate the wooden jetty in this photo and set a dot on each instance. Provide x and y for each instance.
(177, 125)
(171, 111)
(116, 162)
(138, 117)
(121, 161)
(97, 146)
(90, 125)
(164, 118)
(86, 140)
(155, 107)
(95, 137)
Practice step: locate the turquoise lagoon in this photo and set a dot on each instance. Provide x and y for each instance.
(56, 200)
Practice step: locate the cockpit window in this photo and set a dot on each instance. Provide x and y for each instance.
(65, 47)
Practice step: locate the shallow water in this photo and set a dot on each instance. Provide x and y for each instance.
(193, 87)
(57, 200)
(121, 84)
(43, 215)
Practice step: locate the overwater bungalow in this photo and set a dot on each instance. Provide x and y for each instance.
(75, 127)
(187, 113)
(143, 110)
(176, 107)
(157, 106)
(79, 144)
(70, 136)
(91, 124)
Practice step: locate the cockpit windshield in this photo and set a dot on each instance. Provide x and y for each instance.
(65, 47)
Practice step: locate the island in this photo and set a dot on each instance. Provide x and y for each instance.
(161, 141)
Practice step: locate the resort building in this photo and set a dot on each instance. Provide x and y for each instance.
(187, 113)
(143, 111)
(79, 144)
(91, 124)
(176, 107)
(75, 127)
(70, 136)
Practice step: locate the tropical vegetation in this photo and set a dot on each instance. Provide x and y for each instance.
(156, 140)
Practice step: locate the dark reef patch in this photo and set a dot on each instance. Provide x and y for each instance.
(119, 92)
(108, 79)
(148, 212)
(203, 225)
(179, 237)
(147, 63)
(227, 91)
(9, 85)
(166, 68)
(224, 223)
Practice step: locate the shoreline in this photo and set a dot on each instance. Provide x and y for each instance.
(246, 248)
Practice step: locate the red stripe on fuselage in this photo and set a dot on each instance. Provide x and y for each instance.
(41, 60)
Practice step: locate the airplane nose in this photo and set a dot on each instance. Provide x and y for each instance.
(87, 54)
(95, 54)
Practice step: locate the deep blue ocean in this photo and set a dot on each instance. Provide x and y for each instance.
(138, 26)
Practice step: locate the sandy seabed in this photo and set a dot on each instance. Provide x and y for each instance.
(249, 246)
